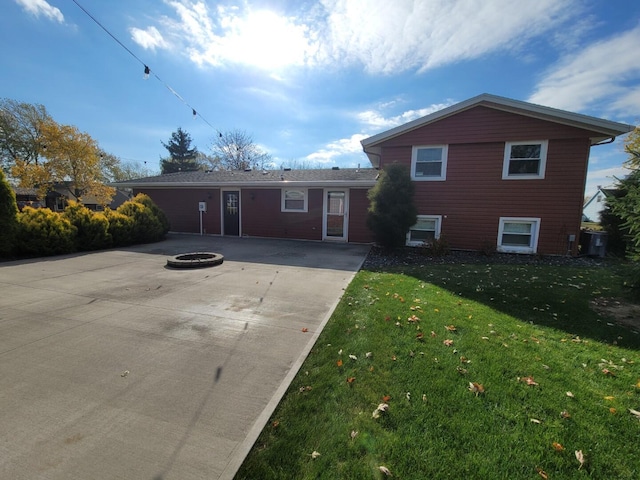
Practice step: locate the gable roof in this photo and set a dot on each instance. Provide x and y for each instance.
(604, 129)
(365, 177)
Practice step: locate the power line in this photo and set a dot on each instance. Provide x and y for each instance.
(147, 70)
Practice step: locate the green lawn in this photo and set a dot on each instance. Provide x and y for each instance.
(488, 371)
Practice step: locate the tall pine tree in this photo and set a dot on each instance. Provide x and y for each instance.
(182, 158)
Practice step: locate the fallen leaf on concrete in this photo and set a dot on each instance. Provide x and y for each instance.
(125, 373)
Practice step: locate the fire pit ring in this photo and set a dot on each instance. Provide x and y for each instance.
(195, 260)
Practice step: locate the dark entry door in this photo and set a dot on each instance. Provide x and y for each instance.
(231, 213)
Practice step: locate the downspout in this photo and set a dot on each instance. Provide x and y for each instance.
(379, 155)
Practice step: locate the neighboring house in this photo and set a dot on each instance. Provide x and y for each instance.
(321, 204)
(489, 172)
(594, 205)
(58, 198)
(496, 172)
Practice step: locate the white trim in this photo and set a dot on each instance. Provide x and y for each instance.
(345, 219)
(535, 233)
(443, 160)
(305, 207)
(437, 218)
(544, 146)
(222, 190)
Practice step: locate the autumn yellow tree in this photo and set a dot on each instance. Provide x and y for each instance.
(72, 161)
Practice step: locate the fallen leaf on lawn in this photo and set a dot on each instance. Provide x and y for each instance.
(450, 328)
(557, 446)
(368, 355)
(464, 359)
(394, 358)
(371, 368)
(408, 395)
(535, 420)
(580, 458)
(424, 397)
(565, 414)
(386, 398)
(350, 380)
(354, 434)
(542, 473)
(353, 357)
(315, 454)
(529, 381)
(383, 407)
(613, 411)
(484, 338)
(635, 413)
(385, 470)
(339, 363)
(420, 336)
(476, 388)
(413, 319)
(340, 352)
(609, 397)
(461, 371)
(448, 342)
(606, 371)
(305, 330)
(275, 424)
(434, 334)
(570, 395)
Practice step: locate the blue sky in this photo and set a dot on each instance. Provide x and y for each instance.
(309, 79)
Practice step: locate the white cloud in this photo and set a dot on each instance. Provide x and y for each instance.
(149, 39)
(604, 177)
(41, 7)
(598, 76)
(381, 36)
(431, 33)
(375, 119)
(339, 148)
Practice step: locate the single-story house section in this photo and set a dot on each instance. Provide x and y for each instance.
(320, 204)
(491, 172)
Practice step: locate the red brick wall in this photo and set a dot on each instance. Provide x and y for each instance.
(261, 215)
(473, 197)
(358, 205)
(181, 207)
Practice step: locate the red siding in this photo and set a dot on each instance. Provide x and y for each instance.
(181, 207)
(358, 205)
(474, 197)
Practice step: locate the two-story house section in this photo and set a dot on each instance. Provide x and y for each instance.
(491, 171)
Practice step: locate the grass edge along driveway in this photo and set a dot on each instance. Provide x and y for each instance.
(462, 371)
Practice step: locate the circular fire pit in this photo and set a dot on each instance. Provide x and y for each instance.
(195, 260)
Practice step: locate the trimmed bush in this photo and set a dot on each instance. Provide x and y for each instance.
(146, 226)
(147, 202)
(392, 211)
(120, 227)
(8, 217)
(93, 227)
(42, 232)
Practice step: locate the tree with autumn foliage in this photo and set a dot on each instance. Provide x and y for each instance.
(72, 161)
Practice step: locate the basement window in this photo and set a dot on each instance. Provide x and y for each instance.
(425, 231)
(518, 235)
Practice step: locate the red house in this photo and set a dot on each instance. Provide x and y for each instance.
(492, 172)
(489, 172)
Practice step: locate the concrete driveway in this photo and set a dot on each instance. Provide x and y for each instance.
(115, 367)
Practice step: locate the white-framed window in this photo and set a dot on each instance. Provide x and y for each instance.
(425, 231)
(525, 160)
(294, 200)
(518, 235)
(429, 162)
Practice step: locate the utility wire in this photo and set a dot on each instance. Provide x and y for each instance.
(147, 70)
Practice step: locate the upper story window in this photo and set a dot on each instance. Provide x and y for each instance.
(294, 200)
(525, 160)
(429, 162)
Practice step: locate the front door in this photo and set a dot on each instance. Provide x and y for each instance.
(231, 213)
(336, 214)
